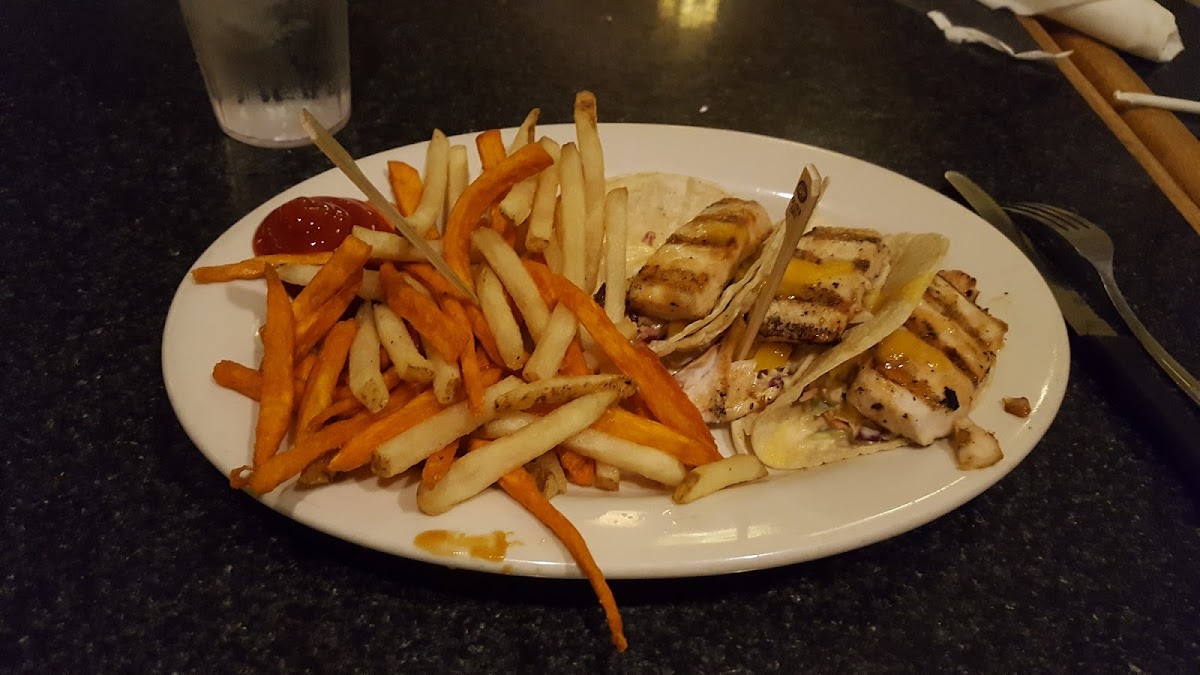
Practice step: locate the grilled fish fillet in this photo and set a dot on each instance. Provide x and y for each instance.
(922, 379)
(832, 272)
(684, 278)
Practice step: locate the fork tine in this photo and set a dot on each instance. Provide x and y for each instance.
(1068, 217)
(1039, 213)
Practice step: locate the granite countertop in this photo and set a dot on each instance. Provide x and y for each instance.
(125, 551)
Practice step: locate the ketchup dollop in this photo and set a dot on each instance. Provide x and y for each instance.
(313, 224)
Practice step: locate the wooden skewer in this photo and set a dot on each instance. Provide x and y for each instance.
(342, 160)
(804, 200)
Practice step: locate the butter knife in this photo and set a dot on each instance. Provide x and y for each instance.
(1120, 358)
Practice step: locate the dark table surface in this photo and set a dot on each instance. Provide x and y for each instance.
(124, 550)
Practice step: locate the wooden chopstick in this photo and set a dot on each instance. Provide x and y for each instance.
(1164, 147)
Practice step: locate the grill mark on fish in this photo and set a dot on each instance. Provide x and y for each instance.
(776, 329)
(929, 335)
(684, 279)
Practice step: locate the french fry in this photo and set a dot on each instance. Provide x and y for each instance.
(525, 132)
(521, 486)
(545, 200)
(549, 475)
(552, 346)
(573, 221)
(254, 268)
(447, 377)
(302, 275)
(494, 305)
(479, 196)
(517, 203)
(553, 253)
(408, 361)
(422, 313)
(278, 389)
(707, 479)
(642, 431)
(424, 219)
(406, 186)
(604, 448)
(347, 261)
(591, 155)
(437, 464)
(663, 395)
(318, 392)
(608, 477)
(421, 440)
(491, 148)
(391, 246)
(474, 472)
(460, 176)
(616, 207)
(558, 390)
(365, 378)
(312, 328)
(507, 266)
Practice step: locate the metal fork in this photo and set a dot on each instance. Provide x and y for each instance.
(1096, 247)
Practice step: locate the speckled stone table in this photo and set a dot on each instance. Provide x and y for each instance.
(124, 551)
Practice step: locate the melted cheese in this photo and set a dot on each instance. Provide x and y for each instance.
(802, 274)
(902, 350)
(771, 355)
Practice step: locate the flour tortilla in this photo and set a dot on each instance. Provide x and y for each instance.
(659, 204)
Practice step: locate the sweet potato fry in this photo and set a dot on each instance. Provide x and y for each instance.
(274, 471)
(406, 186)
(253, 268)
(432, 279)
(661, 392)
(479, 196)
(422, 313)
(318, 393)
(437, 464)
(468, 362)
(357, 451)
(347, 260)
(580, 470)
(346, 405)
(521, 486)
(491, 148)
(637, 429)
(483, 333)
(242, 379)
(314, 327)
(278, 388)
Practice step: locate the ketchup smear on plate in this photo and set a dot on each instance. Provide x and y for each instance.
(314, 224)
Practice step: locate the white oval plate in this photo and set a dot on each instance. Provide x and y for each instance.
(639, 532)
